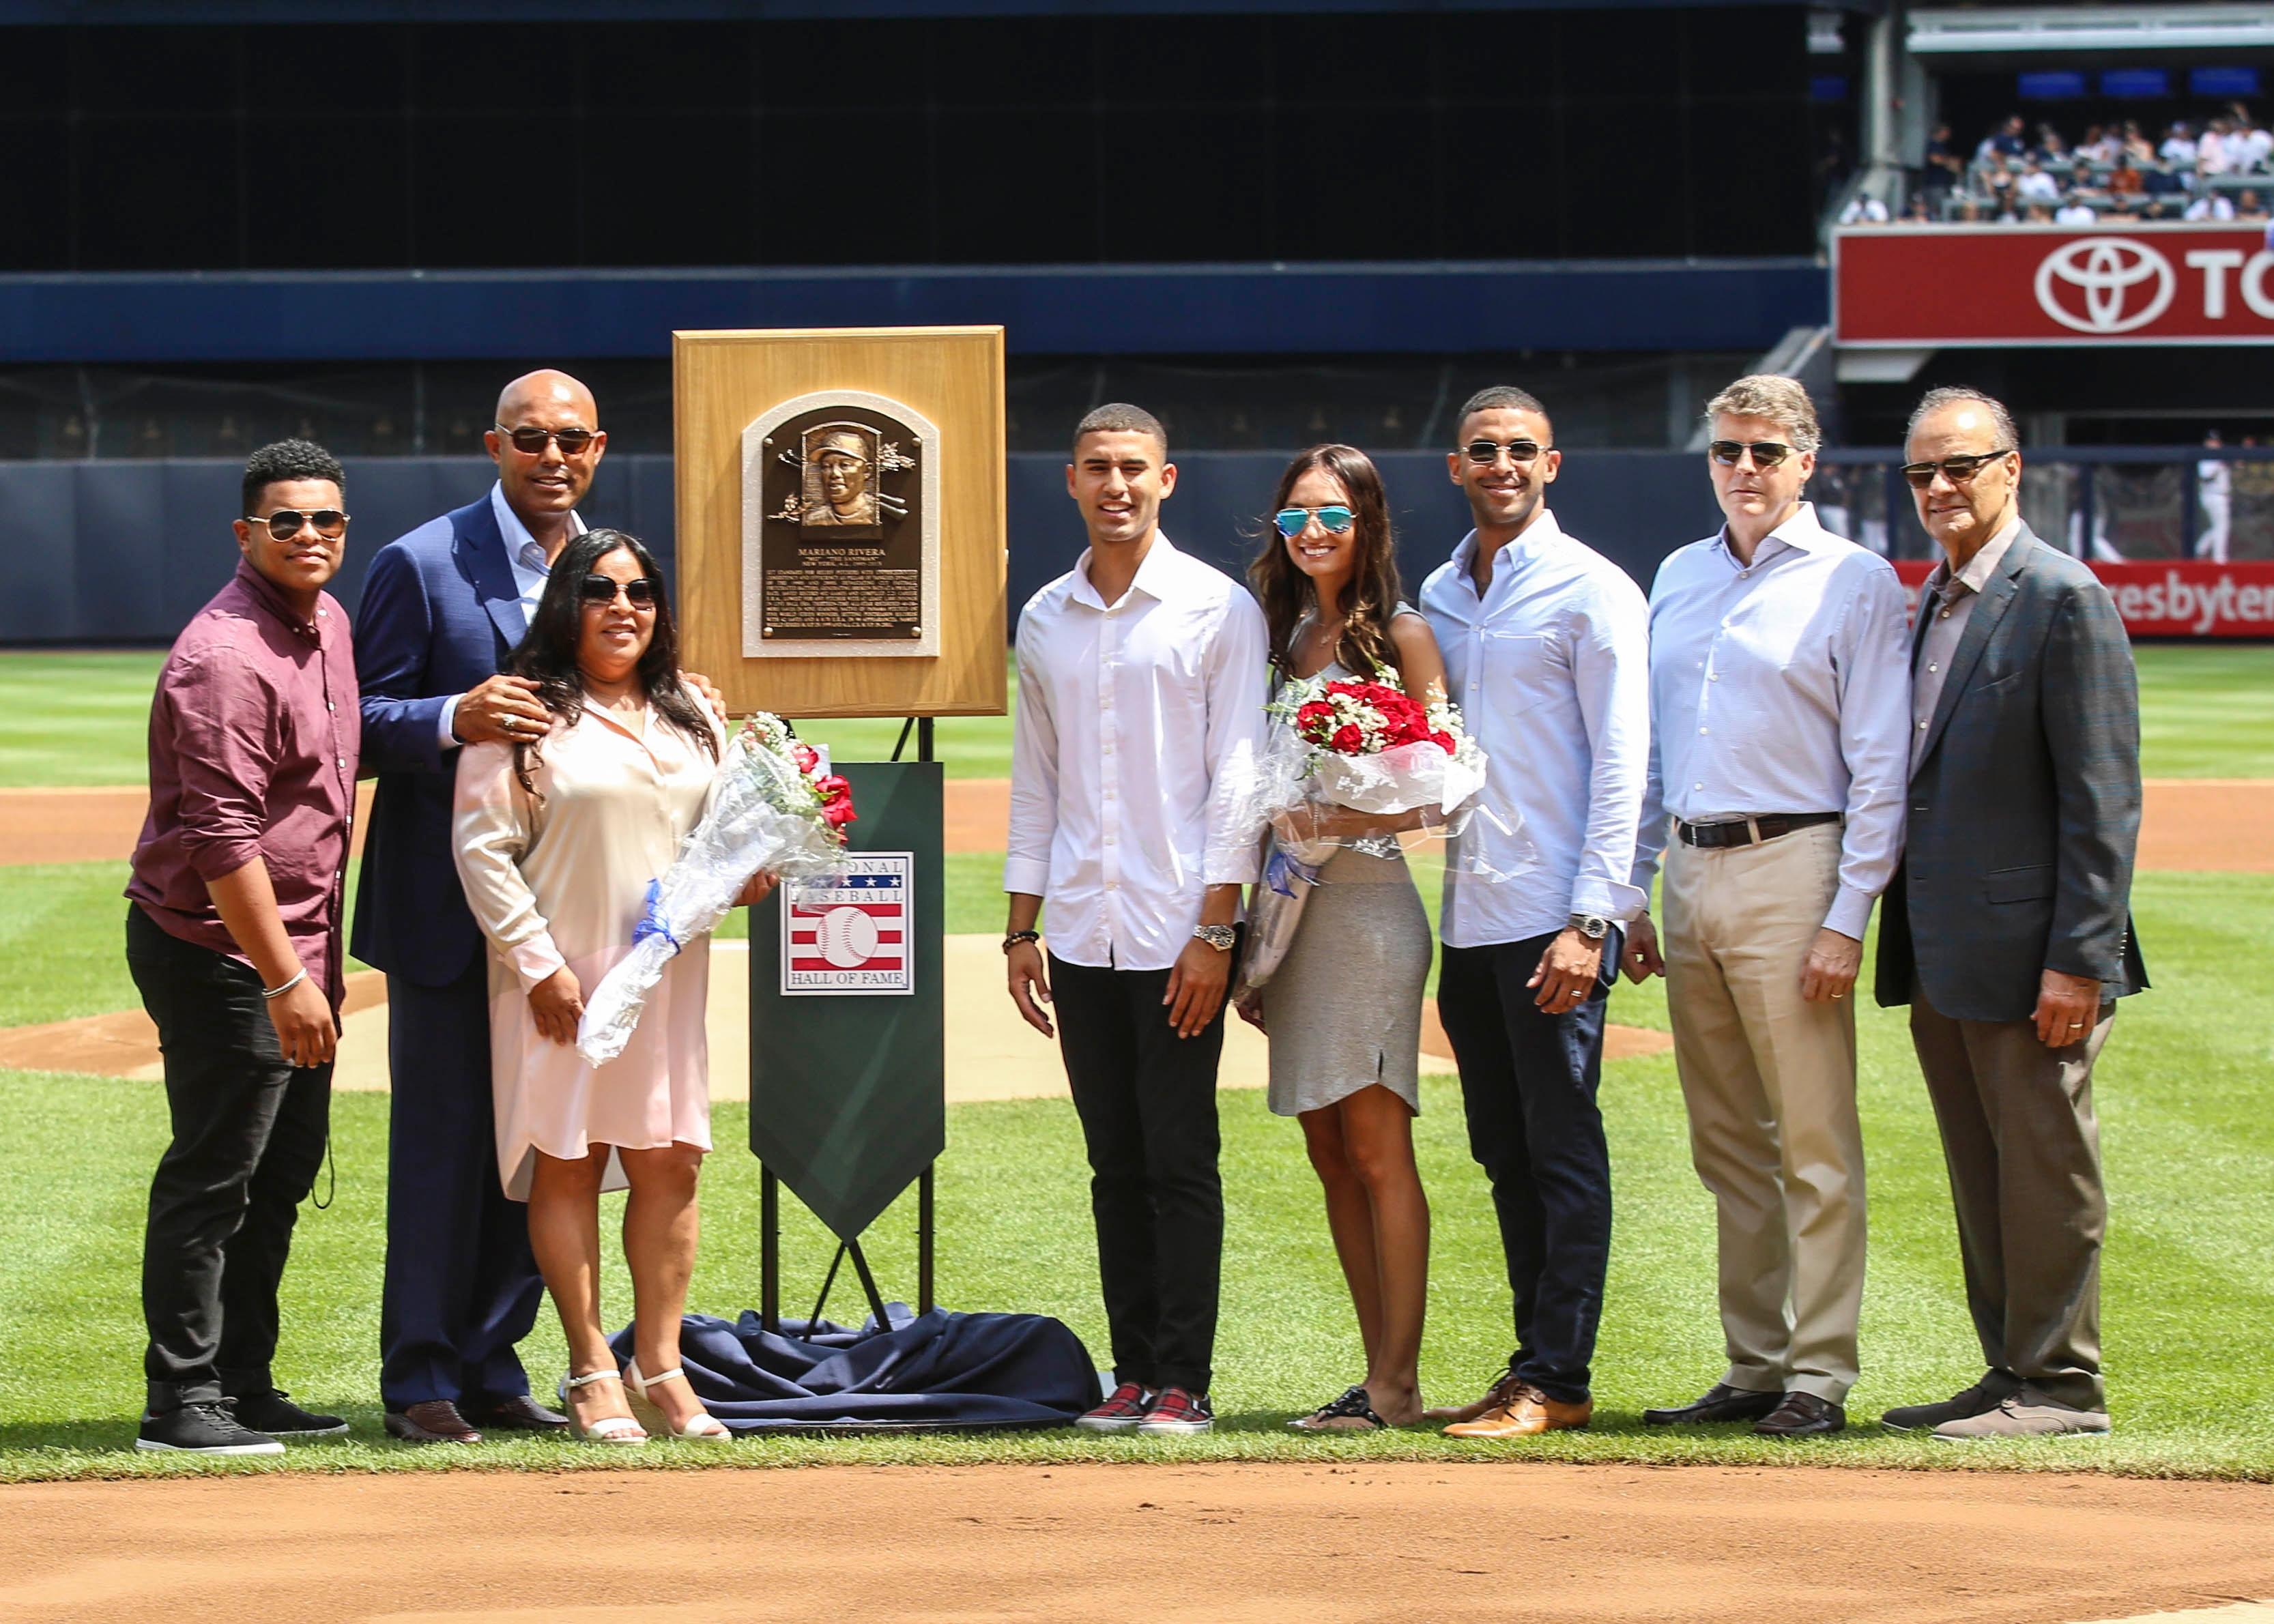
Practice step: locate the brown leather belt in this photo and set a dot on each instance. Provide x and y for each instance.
(1751, 830)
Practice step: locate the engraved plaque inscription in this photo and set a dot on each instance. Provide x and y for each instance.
(840, 528)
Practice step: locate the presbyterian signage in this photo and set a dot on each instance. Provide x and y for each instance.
(2174, 598)
(1939, 287)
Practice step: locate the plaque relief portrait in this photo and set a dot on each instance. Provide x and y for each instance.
(840, 528)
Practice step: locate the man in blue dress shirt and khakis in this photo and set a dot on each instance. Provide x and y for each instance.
(1780, 724)
(1545, 646)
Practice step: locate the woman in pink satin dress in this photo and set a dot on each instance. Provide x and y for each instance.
(557, 838)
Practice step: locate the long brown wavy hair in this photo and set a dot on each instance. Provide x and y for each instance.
(1369, 597)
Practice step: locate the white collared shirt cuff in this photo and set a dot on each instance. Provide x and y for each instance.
(1606, 900)
(535, 959)
(1025, 874)
(449, 735)
(1224, 869)
(1851, 912)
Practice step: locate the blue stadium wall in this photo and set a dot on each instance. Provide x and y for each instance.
(125, 552)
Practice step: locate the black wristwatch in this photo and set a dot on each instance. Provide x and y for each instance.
(1594, 927)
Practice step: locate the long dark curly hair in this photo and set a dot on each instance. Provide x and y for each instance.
(547, 655)
(1369, 597)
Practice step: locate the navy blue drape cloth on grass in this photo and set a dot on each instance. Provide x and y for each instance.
(934, 1370)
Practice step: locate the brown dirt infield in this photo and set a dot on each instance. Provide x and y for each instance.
(2223, 825)
(1321, 1544)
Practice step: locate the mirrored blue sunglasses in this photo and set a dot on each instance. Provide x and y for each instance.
(1293, 522)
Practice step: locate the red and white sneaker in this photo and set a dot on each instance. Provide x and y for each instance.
(1121, 1412)
(1175, 1410)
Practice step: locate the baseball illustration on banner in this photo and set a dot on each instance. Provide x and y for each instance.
(848, 931)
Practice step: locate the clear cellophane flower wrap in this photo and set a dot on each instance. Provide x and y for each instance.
(776, 809)
(1361, 745)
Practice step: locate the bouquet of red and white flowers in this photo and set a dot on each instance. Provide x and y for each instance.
(777, 808)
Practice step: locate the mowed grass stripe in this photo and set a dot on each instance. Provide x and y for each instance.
(2207, 710)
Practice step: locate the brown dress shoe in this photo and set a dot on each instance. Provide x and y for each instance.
(1526, 1411)
(1495, 1396)
(519, 1414)
(435, 1421)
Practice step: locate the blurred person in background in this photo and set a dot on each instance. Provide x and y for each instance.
(2214, 501)
(2007, 928)
(234, 943)
(2033, 185)
(2212, 206)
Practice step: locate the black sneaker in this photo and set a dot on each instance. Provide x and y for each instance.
(274, 1413)
(207, 1427)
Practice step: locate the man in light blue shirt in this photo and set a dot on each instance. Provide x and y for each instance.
(1546, 653)
(1780, 737)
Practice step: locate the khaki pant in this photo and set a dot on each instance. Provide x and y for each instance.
(1769, 1080)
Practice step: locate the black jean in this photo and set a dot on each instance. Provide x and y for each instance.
(249, 1135)
(1528, 1086)
(1147, 1100)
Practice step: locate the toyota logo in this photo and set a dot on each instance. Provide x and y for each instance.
(2105, 284)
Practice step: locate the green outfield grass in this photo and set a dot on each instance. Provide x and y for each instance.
(2207, 712)
(2190, 1276)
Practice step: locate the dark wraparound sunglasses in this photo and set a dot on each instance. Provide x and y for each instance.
(1767, 453)
(641, 594)
(285, 522)
(1293, 522)
(531, 441)
(1957, 470)
(1519, 451)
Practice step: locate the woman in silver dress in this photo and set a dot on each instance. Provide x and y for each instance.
(1344, 1009)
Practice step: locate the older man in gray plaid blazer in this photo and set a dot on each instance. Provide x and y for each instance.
(2007, 928)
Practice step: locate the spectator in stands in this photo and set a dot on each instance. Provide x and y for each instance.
(2006, 141)
(1945, 165)
(2039, 215)
(1996, 179)
(2033, 184)
(1970, 212)
(2212, 206)
(2136, 146)
(2250, 146)
(2075, 211)
(2247, 208)
(2212, 155)
(1921, 212)
(234, 943)
(2165, 189)
(2083, 183)
(2050, 149)
(2125, 181)
(2178, 148)
(1864, 209)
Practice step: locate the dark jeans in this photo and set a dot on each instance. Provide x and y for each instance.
(461, 1285)
(249, 1136)
(1528, 1084)
(1147, 1100)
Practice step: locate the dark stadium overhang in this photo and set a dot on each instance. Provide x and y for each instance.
(1424, 308)
(178, 13)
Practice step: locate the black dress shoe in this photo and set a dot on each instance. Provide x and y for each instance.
(1994, 1388)
(518, 1414)
(1721, 1402)
(1801, 1415)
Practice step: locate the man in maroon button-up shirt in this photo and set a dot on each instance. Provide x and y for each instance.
(234, 943)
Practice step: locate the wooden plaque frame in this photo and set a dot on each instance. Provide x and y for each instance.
(721, 382)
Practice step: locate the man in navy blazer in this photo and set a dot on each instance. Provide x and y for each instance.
(441, 608)
(2007, 928)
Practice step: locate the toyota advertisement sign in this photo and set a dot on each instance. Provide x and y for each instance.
(1930, 287)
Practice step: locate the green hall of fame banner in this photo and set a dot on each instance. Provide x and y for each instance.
(847, 1042)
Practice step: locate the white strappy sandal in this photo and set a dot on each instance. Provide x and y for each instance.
(608, 1429)
(703, 1428)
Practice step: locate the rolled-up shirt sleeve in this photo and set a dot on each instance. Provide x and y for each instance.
(1034, 775)
(493, 822)
(1236, 672)
(1872, 659)
(1611, 675)
(227, 719)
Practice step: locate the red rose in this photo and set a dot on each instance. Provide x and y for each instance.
(1348, 739)
(838, 812)
(832, 787)
(806, 757)
(1443, 741)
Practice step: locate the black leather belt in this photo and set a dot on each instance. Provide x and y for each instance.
(1751, 830)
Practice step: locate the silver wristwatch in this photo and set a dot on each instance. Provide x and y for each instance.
(1594, 927)
(1218, 937)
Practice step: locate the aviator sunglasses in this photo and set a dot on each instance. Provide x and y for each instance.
(1957, 470)
(1767, 453)
(1293, 522)
(641, 593)
(285, 522)
(1486, 452)
(531, 441)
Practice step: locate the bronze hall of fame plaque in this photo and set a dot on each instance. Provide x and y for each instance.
(840, 528)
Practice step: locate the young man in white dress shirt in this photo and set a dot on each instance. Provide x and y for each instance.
(1780, 739)
(1141, 676)
(1545, 645)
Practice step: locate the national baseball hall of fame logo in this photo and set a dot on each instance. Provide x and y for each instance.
(847, 932)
